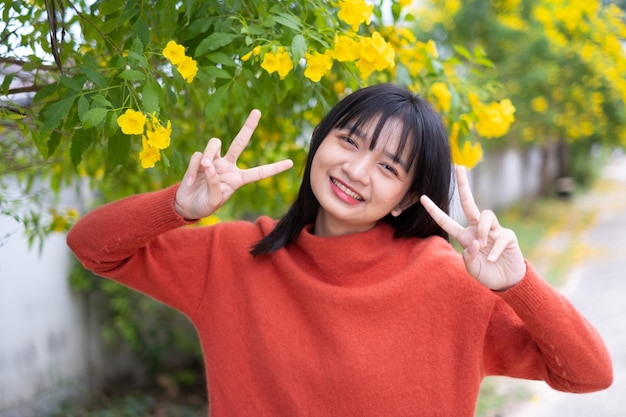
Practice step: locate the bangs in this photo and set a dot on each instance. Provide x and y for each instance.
(389, 118)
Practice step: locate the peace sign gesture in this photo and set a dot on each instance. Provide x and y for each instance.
(211, 179)
(490, 252)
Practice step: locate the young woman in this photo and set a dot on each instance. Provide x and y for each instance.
(354, 303)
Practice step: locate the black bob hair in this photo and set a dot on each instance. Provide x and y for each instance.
(422, 130)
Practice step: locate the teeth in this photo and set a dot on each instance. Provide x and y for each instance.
(347, 190)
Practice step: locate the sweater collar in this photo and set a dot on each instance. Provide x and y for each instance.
(354, 259)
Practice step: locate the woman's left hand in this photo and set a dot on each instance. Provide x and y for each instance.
(491, 252)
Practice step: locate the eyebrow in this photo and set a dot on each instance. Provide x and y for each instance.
(394, 157)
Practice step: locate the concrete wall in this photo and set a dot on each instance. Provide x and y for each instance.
(43, 328)
(506, 177)
(51, 349)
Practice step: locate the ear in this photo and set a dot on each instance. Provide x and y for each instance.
(407, 201)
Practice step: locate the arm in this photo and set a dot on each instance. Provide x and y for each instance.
(535, 332)
(138, 240)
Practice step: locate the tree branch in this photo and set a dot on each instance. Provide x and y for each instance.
(27, 89)
(21, 63)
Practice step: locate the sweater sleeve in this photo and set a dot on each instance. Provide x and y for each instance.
(139, 242)
(536, 333)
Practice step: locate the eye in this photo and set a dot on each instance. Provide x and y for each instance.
(349, 141)
(389, 168)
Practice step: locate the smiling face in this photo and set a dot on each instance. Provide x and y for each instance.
(357, 184)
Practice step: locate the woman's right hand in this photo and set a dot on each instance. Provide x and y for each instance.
(211, 179)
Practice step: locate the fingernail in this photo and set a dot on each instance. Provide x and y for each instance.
(491, 257)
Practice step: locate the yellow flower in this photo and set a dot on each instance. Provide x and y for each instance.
(355, 12)
(277, 62)
(209, 221)
(376, 54)
(149, 156)
(158, 136)
(468, 155)
(444, 98)
(430, 47)
(188, 68)
(132, 122)
(346, 49)
(174, 52)
(256, 51)
(318, 65)
(495, 119)
(539, 104)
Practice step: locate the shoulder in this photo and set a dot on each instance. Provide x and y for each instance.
(239, 231)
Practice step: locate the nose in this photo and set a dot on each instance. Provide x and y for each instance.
(358, 169)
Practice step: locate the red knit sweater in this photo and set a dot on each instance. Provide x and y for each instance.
(356, 325)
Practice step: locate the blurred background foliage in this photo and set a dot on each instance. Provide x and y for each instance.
(561, 62)
(502, 73)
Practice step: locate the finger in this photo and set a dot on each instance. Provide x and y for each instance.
(503, 241)
(266, 171)
(243, 137)
(465, 195)
(212, 151)
(192, 168)
(441, 218)
(488, 226)
(470, 258)
(213, 185)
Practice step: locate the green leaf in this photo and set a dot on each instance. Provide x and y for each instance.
(101, 101)
(218, 72)
(214, 41)
(110, 6)
(463, 52)
(54, 113)
(94, 117)
(220, 58)
(53, 142)
(82, 139)
(138, 58)
(298, 47)
(137, 46)
(132, 75)
(142, 30)
(98, 80)
(109, 26)
(289, 20)
(82, 107)
(76, 85)
(6, 83)
(215, 103)
(484, 62)
(45, 92)
(150, 97)
(177, 162)
(118, 149)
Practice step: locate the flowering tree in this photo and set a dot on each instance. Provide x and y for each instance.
(562, 62)
(122, 93)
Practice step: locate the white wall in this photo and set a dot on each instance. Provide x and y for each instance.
(42, 326)
(506, 177)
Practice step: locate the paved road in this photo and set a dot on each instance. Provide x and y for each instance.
(597, 286)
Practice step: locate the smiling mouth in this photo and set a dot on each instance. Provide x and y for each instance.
(346, 190)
